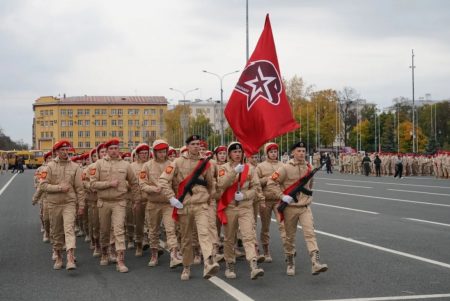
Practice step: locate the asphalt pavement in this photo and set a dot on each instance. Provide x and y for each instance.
(382, 238)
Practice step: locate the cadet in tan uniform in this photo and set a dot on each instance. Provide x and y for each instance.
(236, 209)
(157, 207)
(294, 213)
(142, 154)
(110, 177)
(264, 171)
(194, 209)
(61, 181)
(171, 154)
(40, 197)
(91, 203)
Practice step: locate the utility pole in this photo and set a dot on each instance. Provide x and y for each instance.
(413, 105)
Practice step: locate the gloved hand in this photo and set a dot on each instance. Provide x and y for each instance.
(175, 203)
(287, 199)
(238, 196)
(239, 168)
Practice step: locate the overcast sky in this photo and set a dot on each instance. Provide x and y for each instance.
(144, 47)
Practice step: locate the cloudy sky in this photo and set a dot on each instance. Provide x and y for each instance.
(144, 47)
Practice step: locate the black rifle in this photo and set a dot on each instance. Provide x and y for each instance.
(300, 188)
(195, 179)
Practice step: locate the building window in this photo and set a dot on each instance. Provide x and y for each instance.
(130, 134)
(153, 134)
(113, 133)
(63, 112)
(146, 111)
(88, 144)
(87, 111)
(136, 134)
(97, 122)
(51, 112)
(80, 133)
(63, 134)
(104, 112)
(114, 122)
(113, 111)
(119, 111)
(87, 134)
(136, 122)
(70, 112)
(146, 134)
(130, 111)
(80, 111)
(104, 122)
(145, 123)
(70, 122)
(97, 112)
(97, 134)
(153, 111)
(51, 134)
(51, 122)
(130, 122)
(80, 122)
(42, 113)
(104, 134)
(63, 123)
(153, 122)
(42, 134)
(120, 122)
(80, 144)
(70, 134)
(120, 134)
(87, 122)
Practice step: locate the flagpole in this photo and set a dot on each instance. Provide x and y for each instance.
(246, 26)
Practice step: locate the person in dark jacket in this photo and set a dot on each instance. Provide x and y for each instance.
(366, 163)
(398, 167)
(377, 163)
(328, 164)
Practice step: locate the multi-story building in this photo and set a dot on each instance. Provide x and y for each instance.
(211, 109)
(89, 120)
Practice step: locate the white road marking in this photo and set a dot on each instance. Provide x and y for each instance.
(412, 297)
(348, 185)
(429, 222)
(383, 198)
(7, 184)
(227, 288)
(345, 208)
(386, 183)
(230, 290)
(404, 254)
(413, 191)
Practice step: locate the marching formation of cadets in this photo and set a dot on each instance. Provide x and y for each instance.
(387, 164)
(126, 201)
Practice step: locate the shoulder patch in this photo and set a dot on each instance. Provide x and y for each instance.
(92, 171)
(142, 174)
(275, 176)
(83, 176)
(43, 175)
(169, 169)
(221, 172)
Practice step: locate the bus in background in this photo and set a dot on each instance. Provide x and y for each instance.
(36, 158)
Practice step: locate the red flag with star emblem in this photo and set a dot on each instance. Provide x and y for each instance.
(258, 109)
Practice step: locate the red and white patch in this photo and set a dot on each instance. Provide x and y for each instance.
(221, 173)
(143, 175)
(169, 169)
(275, 176)
(92, 171)
(43, 175)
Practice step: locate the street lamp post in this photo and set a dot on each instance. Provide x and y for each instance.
(221, 100)
(184, 117)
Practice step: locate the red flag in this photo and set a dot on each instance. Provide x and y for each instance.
(258, 109)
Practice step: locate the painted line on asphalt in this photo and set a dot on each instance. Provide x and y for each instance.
(386, 183)
(345, 208)
(411, 297)
(383, 198)
(7, 184)
(424, 221)
(434, 193)
(404, 254)
(227, 288)
(348, 185)
(230, 290)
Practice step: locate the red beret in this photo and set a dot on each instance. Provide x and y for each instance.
(75, 158)
(160, 144)
(220, 148)
(183, 149)
(270, 146)
(203, 144)
(99, 147)
(113, 141)
(172, 151)
(208, 153)
(62, 143)
(86, 155)
(125, 155)
(46, 155)
(142, 147)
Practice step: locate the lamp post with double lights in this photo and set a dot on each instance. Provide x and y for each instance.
(221, 77)
(184, 118)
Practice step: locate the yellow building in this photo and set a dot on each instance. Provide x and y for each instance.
(89, 120)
